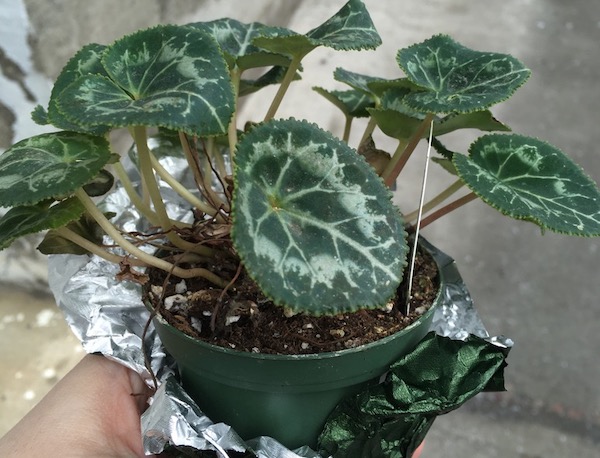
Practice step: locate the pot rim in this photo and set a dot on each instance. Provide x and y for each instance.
(446, 266)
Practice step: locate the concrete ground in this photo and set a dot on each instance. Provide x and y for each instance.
(540, 290)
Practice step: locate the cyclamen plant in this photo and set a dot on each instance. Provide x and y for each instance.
(310, 218)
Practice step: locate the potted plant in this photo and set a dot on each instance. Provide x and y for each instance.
(283, 215)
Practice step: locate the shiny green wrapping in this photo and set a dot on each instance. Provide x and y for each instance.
(391, 419)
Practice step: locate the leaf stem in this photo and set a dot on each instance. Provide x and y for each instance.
(139, 135)
(283, 87)
(183, 191)
(92, 247)
(435, 201)
(236, 75)
(147, 172)
(447, 209)
(141, 255)
(214, 152)
(135, 198)
(347, 128)
(192, 160)
(400, 157)
(368, 131)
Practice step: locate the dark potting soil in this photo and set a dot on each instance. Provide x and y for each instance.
(244, 319)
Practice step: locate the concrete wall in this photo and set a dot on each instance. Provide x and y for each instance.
(540, 290)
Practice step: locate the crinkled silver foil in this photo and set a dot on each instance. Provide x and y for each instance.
(109, 318)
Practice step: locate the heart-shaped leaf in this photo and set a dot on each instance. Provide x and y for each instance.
(458, 79)
(528, 179)
(350, 28)
(167, 76)
(50, 165)
(313, 224)
(24, 220)
(235, 40)
(87, 61)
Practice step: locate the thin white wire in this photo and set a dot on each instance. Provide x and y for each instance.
(421, 203)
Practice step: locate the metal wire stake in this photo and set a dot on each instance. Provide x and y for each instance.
(421, 203)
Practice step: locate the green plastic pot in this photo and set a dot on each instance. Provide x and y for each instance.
(287, 397)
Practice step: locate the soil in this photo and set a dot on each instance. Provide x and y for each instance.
(245, 320)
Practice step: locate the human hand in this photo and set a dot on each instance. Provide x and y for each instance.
(93, 411)
(418, 451)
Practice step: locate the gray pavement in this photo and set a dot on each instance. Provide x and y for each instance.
(540, 290)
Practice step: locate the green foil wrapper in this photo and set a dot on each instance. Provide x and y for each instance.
(391, 419)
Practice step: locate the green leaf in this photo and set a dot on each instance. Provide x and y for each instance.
(313, 224)
(446, 160)
(446, 164)
(288, 45)
(39, 115)
(352, 103)
(350, 28)
(395, 124)
(528, 179)
(379, 86)
(50, 165)
(441, 149)
(481, 120)
(85, 226)
(235, 40)
(273, 76)
(458, 79)
(25, 220)
(167, 76)
(394, 117)
(355, 80)
(394, 99)
(87, 61)
(100, 184)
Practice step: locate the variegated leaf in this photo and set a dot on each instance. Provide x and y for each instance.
(356, 81)
(235, 39)
(24, 220)
(528, 179)
(87, 61)
(481, 120)
(50, 165)
(458, 79)
(394, 99)
(352, 102)
(350, 28)
(167, 76)
(313, 224)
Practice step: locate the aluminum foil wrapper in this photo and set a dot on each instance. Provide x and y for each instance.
(109, 317)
